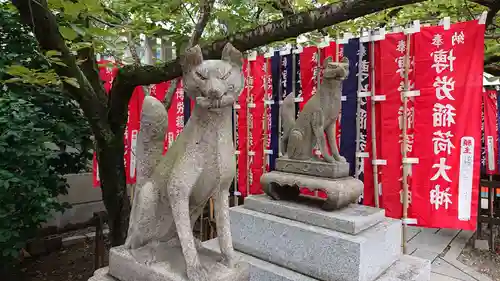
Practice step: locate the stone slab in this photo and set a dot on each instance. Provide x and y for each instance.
(408, 268)
(313, 168)
(425, 254)
(352, 219)
(444, 268)
(315, 251)
(265, 271)
(124, 267)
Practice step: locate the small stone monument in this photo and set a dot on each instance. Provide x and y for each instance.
(300, 167)
(173, 189)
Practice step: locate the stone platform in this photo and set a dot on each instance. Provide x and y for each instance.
(124, 267)
(351, 220)
(313, 168)
(406, 268)
(297, 241)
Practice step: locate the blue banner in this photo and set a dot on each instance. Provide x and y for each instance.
(276, 80)
(348, 119)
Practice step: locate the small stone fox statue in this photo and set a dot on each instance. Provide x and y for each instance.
(318, 116)
(173, 189)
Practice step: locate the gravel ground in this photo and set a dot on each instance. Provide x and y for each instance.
(486, 262)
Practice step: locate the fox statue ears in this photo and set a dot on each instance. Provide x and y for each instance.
(194, 57)
(330, 60)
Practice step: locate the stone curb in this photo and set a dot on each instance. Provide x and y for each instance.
(72, 240)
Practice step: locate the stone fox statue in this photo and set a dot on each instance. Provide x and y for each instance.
(319, 115)
(172, 189)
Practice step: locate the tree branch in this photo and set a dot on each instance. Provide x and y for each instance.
(43, 23)
(288, 27)
(491, 14)
(205, 10)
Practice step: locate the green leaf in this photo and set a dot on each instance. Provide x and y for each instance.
(13, 80)
(72, 81)
(52, 53)
(68, 33)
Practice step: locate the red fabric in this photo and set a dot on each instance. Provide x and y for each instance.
(308, 67)
(368, 192)
(257, 71)
(490, 130)
(241, 137)
(176, 115)
(132, 132)
(391, 73)
(442, 195)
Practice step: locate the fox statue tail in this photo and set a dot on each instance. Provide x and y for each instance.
(287, 119)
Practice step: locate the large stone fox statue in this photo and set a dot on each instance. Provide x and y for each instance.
(318, 116)
(173, 189)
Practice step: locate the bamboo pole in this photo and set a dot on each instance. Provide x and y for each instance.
(247, 108)
(358, 107)
(280, 97)
(373, 122)
(405, 143)
(235, 132)
(264, 116)
(337, 48)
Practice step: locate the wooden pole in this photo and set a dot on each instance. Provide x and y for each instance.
(358, 106)
(211, 219)
(373, 122)
(235, 133)
(264, 116)
(247, 108)
(405, 143)
(337, 48)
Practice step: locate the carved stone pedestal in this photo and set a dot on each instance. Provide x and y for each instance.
(313, 168)
(285, 186)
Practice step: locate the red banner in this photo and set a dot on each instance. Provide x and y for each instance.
(448, 125)
(256, 110)
(308, 71)
(241, 136)
(490, 131)
(268, 96)
(132, 133)
(392, 54)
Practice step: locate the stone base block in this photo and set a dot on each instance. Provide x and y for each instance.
(315, 251)
(313, 168)
(124, 267)
(407, 268)
(285, 186)
(352, 219)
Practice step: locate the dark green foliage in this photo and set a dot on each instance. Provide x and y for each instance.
(33, 119)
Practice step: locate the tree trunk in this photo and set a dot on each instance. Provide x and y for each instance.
(114, 188)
